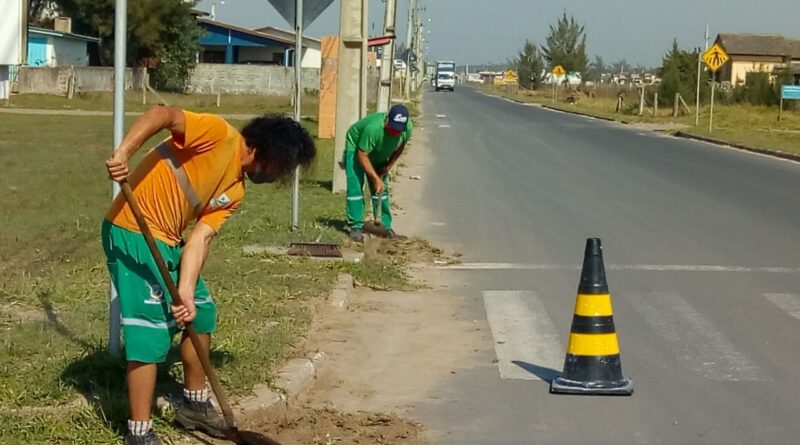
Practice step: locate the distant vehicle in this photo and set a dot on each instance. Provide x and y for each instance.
(445, 81)
(445, 78)
(474, 78)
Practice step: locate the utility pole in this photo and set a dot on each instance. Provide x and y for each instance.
(298, 97)
(120, 56)
(412, 6)
(699, 70)
(351, 70)
(387, 59)
(418, 51)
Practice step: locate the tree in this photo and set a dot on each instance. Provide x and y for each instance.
(678, 73)
(596, 69)
(621, 66)
(41, 12)
(566, 46)
(157, 29)
(530, 66)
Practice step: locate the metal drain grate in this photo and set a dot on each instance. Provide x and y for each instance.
(315, 249)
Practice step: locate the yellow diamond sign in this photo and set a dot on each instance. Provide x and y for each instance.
(715, 57)
(559, 71)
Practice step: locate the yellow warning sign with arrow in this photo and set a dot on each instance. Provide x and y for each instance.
(715, 57)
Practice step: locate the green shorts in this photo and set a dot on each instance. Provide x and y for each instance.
(147, 324)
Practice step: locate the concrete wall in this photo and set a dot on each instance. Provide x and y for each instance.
(83, 79)
(69, 52)
(210, 78)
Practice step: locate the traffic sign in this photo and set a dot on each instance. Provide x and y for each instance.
(715, 57)
(510, 77)
(791, 92)
(559, 71)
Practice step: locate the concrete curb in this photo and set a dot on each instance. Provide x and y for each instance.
(294, 378)
(763, 151)
(340, 296)
(581, 113)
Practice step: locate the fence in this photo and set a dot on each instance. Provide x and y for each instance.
(67, 80)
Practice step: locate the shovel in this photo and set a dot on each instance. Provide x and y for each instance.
(232, 434)
(376, 227)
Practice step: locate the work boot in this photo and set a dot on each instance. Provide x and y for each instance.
(391, 234)
(201, 416)
(357, 235)
(148, 439)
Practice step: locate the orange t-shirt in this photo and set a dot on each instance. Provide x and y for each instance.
(210, 154)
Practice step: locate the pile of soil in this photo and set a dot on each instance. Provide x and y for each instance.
(414, 250)
(324, 426)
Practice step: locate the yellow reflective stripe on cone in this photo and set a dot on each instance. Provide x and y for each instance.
(594, 305)
(593, 344)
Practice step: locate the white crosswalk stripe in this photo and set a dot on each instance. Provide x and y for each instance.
(788, 302)
(526, 342)
(529, 347)
(693, 339)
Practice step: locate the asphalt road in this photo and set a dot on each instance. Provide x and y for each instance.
(701, 250)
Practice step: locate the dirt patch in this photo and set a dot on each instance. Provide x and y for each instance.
(308, 425)
(411, 250)
(13, 313)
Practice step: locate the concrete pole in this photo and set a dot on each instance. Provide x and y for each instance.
(699, 70)
(348, 100)
(364, 60)
(387, 59)
(298, 98)
(412, 6)
(120, 53)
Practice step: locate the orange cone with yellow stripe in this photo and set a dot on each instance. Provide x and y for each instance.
(593, 363)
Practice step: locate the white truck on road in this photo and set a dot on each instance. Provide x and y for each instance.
(445, 78)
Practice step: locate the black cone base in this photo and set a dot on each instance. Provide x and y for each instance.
(623, 387)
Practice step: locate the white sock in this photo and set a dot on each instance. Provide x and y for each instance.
(200, 396)
(140, 427)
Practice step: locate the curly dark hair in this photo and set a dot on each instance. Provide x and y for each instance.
(279, 140)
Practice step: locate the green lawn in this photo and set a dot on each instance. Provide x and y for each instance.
(755, 126)
(53, 281)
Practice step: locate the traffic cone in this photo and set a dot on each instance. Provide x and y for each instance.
(592, 365)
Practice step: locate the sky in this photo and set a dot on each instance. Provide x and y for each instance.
(492, 31)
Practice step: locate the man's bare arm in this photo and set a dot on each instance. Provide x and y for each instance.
(145, 127)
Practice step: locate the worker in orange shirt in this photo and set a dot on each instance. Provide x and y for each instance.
(195, 175)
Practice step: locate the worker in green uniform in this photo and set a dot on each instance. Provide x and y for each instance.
(372, 148)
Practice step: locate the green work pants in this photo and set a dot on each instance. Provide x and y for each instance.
(354, 210)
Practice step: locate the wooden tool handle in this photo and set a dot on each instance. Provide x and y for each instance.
(213, 379)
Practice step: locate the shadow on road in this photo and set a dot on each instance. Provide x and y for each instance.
(543, 373)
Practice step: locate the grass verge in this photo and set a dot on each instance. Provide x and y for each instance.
(755, 126)
(53, 282)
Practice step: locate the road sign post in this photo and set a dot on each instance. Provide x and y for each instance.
(788, 92)
(715, 57)
(558, 71)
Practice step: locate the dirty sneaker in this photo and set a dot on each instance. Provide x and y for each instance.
(148, 439)
(357, 235)
(201, 416)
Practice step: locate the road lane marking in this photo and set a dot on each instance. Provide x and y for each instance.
(693, 339)
(441, 116)
(790, 303)
(526, 342)
(633, 267)
(444, 126)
